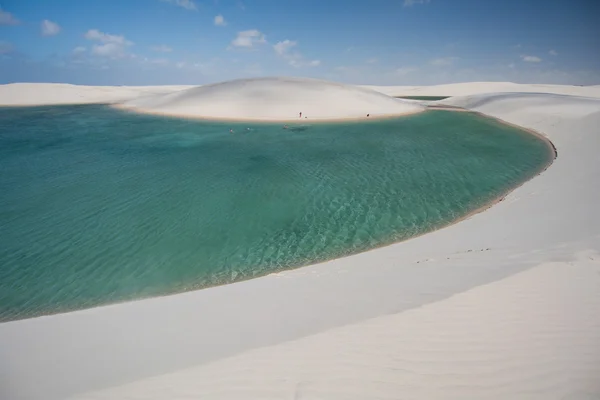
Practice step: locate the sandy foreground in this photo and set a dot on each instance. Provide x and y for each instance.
(503, 305)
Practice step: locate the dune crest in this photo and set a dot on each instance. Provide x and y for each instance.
(274, 99)
(45, 94)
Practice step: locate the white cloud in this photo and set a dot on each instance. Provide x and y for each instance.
(372, 61)
(7, 18)
(531, 59)
(409, 3)
(511, 65)
(282, 48)
(220, 21)
(405, 71)
(293, 58)
(95, 34)
(49, 28)
(248, 39)
(553, 53)
(5, 47)
(443, 62)
(162, 48)
(79, 50)
(187, 4)
(113, 46)
(112, 50)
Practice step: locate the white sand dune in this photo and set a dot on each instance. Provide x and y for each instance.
(503, 305)
(33, 94)
(274, 99)
(530, 336)
(29, 94)
(465, 89)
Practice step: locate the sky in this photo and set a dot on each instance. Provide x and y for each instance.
(380, 42)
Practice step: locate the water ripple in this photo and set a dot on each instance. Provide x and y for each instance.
(99, 206)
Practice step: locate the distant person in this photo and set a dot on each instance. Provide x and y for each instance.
(300, 114)
(368, 115)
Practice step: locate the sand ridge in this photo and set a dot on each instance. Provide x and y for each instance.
(42, 94)
(472, 88)
(274, 99)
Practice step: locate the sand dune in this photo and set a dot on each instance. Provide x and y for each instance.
(504, 304)
(471, 88)
(512, 339)
(274, 99)
(27, 94)
(34, 94)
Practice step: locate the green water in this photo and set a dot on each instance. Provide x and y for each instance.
(428, 98)
(100, 206)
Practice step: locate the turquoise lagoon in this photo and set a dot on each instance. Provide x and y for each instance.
(100, 206)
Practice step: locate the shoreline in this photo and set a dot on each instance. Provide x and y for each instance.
(552, 155)
(539, 135)
(397, 319)
(136, 110)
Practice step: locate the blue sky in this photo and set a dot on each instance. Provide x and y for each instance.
(403, 42)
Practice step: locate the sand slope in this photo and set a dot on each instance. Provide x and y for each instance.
(471, 88)
(274, 99)
(505, 304)
(525, 337)
(30, 94)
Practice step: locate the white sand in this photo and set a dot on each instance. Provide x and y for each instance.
(503, 305)
(274, 99)
(31, 94)
(466, 89)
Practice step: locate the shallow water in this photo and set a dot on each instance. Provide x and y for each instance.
(99, 206)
